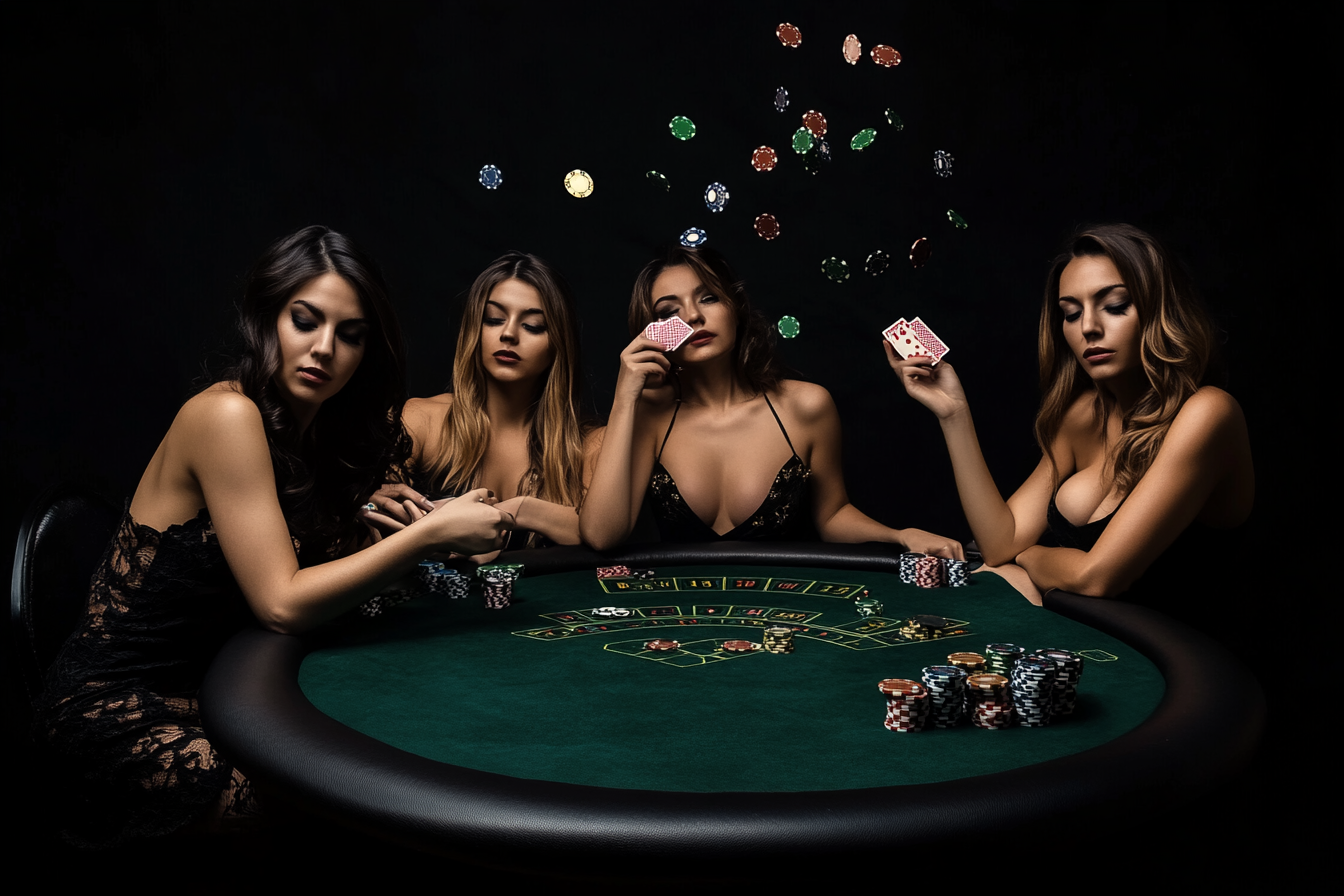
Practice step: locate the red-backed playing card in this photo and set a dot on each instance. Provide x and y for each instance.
(914, 338)
(670, 332)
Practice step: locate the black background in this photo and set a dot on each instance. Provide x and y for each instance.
(155, 149)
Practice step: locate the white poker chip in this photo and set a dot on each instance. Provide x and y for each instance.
(611, 612)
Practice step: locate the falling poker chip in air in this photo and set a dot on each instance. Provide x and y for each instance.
(659, 179)
(942, 164)
(957, 220)
(681, 127)
(716, 197)
(815, 122)
(788, 35)
(863, 139)
(852, 50)
(895, 120)
(920, 252)
(781, 100)
(789, 327)
(579, 184)
(491, 177)
(836, 269)
(877, 262)
(694, 236)
(763, 158)
(802, 140)
(767, 227)
(886, 56)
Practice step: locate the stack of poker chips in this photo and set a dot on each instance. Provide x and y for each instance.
(442, 579)
(967, 662)
(907, 704)
(778, 639)
(1068, 669)
(612, 572)
(868, 607)
(1032, 686)
(923, 628)
(947, 695)
(1001, 657)
(385, 601)
(498, 579)
(990, 705)
(928, 571)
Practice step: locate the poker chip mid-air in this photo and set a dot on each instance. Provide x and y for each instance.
(863, 139)
(895, 120)
(781, 99)
(852, 50)
(885, 56)
(802, 140)
(693, 237)
(788, 35)
(836, 269)
(681, 127)
(957, 220)
(877, 262)
(490, 177)
(579, 184)
(815, 122)
(942, 164)
(920, 252)
(716, 197)
(763, 158)
(658, 178)
(767, 228)
(789, 327)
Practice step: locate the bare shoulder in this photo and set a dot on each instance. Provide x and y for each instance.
(220, 409)
(808, 403)
(429, 410)
(1210, 416)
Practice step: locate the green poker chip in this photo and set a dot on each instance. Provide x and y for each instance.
(802, 140)
(658, 179)
(895, 120)
(789, 327)
(863, 139)
(957, 220)
(681, 127)
(835, 268)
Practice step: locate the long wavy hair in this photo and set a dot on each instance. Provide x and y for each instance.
(1178, 349)
(324, 473)
(555, 441)
(754, 352)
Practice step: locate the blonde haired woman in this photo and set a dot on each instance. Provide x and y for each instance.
(1138, 448)
(511, 422)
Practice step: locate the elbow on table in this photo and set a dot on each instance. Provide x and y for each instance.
(601, 538)
(1099, 581)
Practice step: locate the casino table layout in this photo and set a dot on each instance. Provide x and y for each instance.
(546, 733)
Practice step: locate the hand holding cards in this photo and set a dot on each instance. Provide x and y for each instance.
(911, 338)
(670, 332)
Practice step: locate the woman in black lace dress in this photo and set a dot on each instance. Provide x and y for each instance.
(726, 447)
(253, 491)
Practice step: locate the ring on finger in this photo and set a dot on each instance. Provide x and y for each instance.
(371, 507)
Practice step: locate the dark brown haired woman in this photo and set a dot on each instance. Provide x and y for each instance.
(726, 447)
(1136, 445)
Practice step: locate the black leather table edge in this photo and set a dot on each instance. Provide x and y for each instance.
(1205, 727)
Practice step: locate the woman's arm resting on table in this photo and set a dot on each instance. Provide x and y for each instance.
(228, 455)
(624, 456)
(836, 518)
(1206, 445)
(1002, 529)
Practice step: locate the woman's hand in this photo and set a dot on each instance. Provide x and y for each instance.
(935, 387)
(643, 366)
(392, 508)
(470, 524)
(927, 543)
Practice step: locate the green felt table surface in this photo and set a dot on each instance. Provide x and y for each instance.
(522, 693)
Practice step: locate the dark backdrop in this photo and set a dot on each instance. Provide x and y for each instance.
(156, 149)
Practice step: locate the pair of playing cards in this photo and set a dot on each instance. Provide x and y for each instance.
(911, 338)
(670, 332)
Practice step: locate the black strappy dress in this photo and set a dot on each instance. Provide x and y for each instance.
(782, 516)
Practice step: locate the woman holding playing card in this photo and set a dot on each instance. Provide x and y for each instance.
(706, 424)
(1136, 445)
(511, 422)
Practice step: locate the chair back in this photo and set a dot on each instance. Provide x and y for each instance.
(61, 540)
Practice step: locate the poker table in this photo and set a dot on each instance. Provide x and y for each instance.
(545, 735)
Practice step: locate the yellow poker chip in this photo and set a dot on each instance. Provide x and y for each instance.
(579, 183)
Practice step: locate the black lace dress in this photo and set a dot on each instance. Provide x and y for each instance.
(119, 712)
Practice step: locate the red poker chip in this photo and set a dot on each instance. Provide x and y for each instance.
(662, 644)
(739, 646)
(767, 227)
(920, 252)
(815, 122)
(885, 56)
(788, 35)
(763, 158)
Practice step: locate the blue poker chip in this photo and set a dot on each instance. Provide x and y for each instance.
(491, 177)
(716, 197)
(693, 237)
(942, 164)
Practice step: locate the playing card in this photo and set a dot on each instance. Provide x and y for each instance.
(914, 338)
(670, 332)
